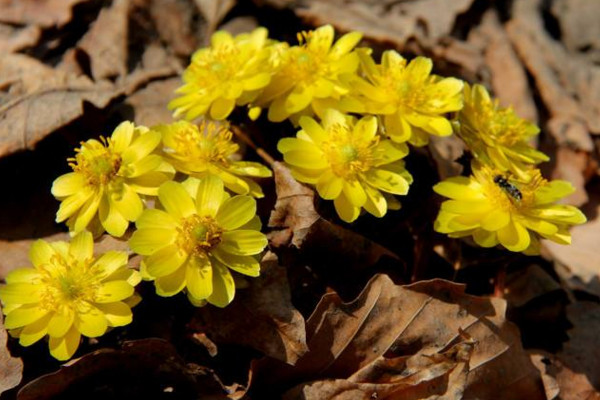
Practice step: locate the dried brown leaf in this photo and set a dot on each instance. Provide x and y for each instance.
(11, 368)
(13, 39)
(106, 41)
(419, 319)
(213, 12)
(568, 85)
(261, 316)
(174, 23)
(386, 20)
(45, 13)
(150, 103)
(578, 264)
(146, 368)
(439, 376)
(579, 29)
(550, 385)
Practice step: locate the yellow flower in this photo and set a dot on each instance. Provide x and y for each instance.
(496, 135)
(205, 150)
(308, 77)
(348, 163)
(196, 240)
(411, 101)
(108, 177)
(497, 208)
(231, 71)
(68, 293)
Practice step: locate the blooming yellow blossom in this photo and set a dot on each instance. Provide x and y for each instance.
(197, 239)
(108, 177)
(349, 163)
(497, 208)
(496, 135)
(207, 149)
(231, 71)
(308, 76)
(410, 100)
(68, 293)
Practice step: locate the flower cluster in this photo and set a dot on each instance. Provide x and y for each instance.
(68, 293)
(505, 201)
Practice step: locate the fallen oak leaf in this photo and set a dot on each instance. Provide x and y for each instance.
(11, 368)
(45, 13)
(422, 318)
(440, 376)
(263, 312)
(145, 368)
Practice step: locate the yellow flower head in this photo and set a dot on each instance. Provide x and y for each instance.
(108, 177)
(231, 71)
(308, 77)
(349, 163)
(496, 135)
(411, 101)
(201, 234)
(207, 149)
(499, 208)
(68, 293)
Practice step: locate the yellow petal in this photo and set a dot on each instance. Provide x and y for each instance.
(24, 315)
(514, 237)
(485, 238)
(111, 218)
(495, 220)
(466, 207)
(387, 152)
(68, 184)
(553, 191)
(298, 99)
(91, 322)
(376, 204)
(286, 145)
(170, 285)
(539, 225)
(129, 205)
(82, 246)
(387, 181)
(155, 219)
(329, 185)
(198, 278)
(61, 322)
(277, 110)
(110, 262)
(86, 213)
(23, 275)
(313, 129)
(236, 212)
(150, 240)
(249, 168)
(165, 261)
(460, 188)
(221, 108)
(112, 291)
(346, 43)
(304, 159)
(246, 265)
(116, 314)
(40, 253)
(346, 211)
(20, 293)
(223, 286)
(365, 129)
(176, 200)
(210, 195)
(419, 68)
(72, 204)
(321, 39)
(355, 193)
(63, 348)
(141, 147)
(122, 136)
(243, 242)
(34, 332)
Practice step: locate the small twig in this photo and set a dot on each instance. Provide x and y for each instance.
(500, 281)
(240, 134)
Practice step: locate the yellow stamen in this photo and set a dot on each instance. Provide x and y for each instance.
(198, 235)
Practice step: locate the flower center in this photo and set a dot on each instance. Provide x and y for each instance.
(216, 66)
(510, 192)
(208, 143)
(198, 235)
(68, 282)
(97, 161)
(501, 125)
(347, 156)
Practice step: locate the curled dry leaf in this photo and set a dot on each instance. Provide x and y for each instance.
(150, 103)
(386, 20)
(419, 319)
(147, 368)
(45, 13)
(11, 368)
(558, 77)
(106, 41)
(439, 376)
(261, 316)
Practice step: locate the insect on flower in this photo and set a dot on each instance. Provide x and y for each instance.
(508, 187)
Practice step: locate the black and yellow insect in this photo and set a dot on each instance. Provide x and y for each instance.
(508, 187)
